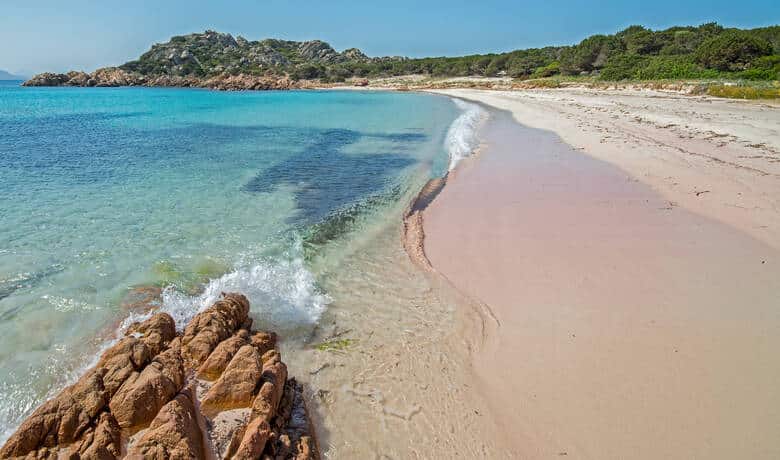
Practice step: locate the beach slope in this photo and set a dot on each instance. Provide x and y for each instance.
(628, 323)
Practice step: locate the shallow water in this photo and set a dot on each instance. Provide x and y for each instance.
(197, 192)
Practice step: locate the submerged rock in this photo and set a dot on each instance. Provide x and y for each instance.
(159, 394)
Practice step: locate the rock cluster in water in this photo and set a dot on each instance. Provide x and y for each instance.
(216, 390)
(114, 76)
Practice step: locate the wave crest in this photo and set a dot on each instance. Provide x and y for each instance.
(462, 140)
(282, 292)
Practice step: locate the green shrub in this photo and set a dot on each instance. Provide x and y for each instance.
(623, 67)
(638, 40)
(758, 74)
(763, 68)
(732, 50)
(743, 92)
(553, 68)
(590, 54)
(673, 67)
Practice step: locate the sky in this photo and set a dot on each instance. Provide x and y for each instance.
(56, 35)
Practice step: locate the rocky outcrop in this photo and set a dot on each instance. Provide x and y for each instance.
(174, 433)
(354, 54)
(47, 79)
(238, 384)
(210, 327)
(218, 61)
(218, 360)
(143, 394)
(114, 76)
(248, 82)
(317, 50)
(217, 389)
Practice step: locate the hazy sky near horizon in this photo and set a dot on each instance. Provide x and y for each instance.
(81, 34)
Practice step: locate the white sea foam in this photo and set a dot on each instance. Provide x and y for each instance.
(283, 294)
(462, 140)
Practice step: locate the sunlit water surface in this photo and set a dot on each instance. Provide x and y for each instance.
(108, 194)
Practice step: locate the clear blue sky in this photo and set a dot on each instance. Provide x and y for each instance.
(60, 35)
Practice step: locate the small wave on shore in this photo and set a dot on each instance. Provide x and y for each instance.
(282, 292)
(462, 140)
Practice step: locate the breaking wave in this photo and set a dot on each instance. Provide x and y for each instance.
(462, 140)
(282, 292)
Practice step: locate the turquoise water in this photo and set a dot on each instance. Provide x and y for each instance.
(105, 191)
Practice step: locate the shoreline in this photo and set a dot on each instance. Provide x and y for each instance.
(484, 251)
(719, 158)
(456, 341)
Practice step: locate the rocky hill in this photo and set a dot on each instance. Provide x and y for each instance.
(218, 60)
(213, 53)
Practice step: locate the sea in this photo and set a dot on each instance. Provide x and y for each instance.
(116, 202)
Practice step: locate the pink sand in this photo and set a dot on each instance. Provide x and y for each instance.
(626, 327)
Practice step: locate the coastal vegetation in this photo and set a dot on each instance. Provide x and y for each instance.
(741, 62)
(635, 53)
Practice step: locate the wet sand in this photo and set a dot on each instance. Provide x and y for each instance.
(387, 371)
(625, 326)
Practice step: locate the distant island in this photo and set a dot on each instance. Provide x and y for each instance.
(9, 76)
(218, 60)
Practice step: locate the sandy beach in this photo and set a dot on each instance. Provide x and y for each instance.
(625, 245)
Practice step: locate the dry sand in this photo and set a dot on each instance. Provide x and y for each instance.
(632, 317)
(717, 157)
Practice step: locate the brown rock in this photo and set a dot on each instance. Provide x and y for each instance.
(129, 355)
(155, 332)
(253, 442)
(103, 442)
(77, 79)
(174, 434)
(236, 387)
(114, 76)
(212, 326)
(47, 79)
(137, 401)
(138, 383)
(65, 418)
(61, 420)
(262, 406)
(266, 403)
(263, 341)
(218, 360)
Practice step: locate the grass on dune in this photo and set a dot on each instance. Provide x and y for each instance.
(744, 92)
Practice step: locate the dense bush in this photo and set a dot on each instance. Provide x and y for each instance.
(673, 67)
(549, 70)
(763, 68)
(732, 50)
(590, 54)
(623, 67)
